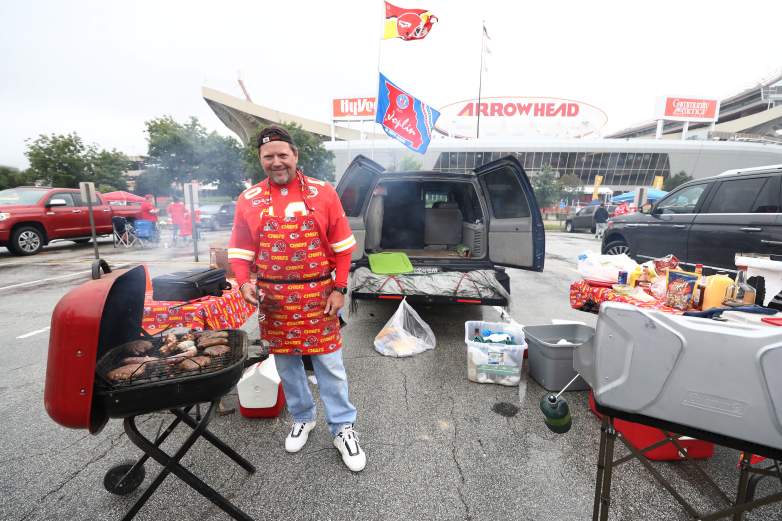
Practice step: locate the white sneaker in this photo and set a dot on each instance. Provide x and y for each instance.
(298, 436)
(346, 442)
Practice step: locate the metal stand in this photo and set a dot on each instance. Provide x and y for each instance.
(171, 463)
(748, 477)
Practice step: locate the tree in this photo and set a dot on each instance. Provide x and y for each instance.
(546, 186)
(63, 160)
(183, 152)
(314, 160)
(674, 181)
(11, 177)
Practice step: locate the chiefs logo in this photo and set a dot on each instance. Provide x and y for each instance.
(314, 244)
(294, 333)
(332, 346)
(297, 351)
(271, 226)
(277, 323)
(290, 219)
(275, 342)
(296, 316)
(314, 321)
(276, 268)
(264, 255)
(310, 341)
(293, 298)
(278, 287)
(313, 191)
(147, 311)
(308, 225)
(299, 256)
(313, 284)
(309, 306)
(294, 236)
(278, 246)
(327, 331)
(313, 264)
(257, 202)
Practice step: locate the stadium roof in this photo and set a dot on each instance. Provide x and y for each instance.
(244, 118)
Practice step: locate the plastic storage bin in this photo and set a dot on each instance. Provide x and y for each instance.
(494, 363)
(551, 364)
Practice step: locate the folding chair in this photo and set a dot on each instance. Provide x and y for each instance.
(124, 234)
(145, 231)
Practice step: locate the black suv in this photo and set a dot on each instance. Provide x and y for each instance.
(706, 221)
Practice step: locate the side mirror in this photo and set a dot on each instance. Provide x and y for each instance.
(57, 202)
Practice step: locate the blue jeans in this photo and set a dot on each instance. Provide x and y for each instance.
(332, 384)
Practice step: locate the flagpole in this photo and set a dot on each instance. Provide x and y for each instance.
(480, 81)
(379, 48)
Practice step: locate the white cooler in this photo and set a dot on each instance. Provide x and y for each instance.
(260, 391)
(724, 378)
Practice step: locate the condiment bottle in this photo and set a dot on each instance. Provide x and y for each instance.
(699, 291)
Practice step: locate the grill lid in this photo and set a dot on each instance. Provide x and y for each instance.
(86, 322)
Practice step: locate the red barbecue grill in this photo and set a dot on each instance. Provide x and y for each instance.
(91, 327)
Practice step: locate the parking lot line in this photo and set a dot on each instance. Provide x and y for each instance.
(31, 333)
(30, 283)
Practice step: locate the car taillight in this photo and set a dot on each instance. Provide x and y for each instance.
(610, 224)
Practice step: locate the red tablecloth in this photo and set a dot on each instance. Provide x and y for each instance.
(585, 297)
(227, 312)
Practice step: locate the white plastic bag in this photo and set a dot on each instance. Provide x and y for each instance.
(405, 334)
(606, 268)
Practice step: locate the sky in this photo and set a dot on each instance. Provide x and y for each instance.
(101, 69)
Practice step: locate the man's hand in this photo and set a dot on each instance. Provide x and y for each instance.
(334, 303)
(249, 294)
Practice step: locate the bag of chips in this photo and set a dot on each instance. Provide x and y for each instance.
(680, 287)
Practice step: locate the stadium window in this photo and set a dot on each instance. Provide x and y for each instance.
(571, 159)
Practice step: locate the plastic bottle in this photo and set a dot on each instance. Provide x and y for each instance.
(716, 286)
(740, 293)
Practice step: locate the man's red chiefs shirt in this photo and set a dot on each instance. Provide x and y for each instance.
(321, 202)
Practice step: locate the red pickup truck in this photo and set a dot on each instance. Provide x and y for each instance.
(31, 217)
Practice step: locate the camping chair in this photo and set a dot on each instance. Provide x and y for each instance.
(124, 234)
(145, 231)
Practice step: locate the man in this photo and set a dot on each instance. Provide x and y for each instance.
(294, 230)
(601, 219)
(148, 210)
(176, 212)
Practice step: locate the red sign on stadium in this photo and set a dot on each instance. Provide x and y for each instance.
(689, 109)
(354, 108)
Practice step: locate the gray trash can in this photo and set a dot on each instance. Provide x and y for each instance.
(551, 364)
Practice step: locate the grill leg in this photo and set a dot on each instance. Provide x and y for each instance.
(741, 496)
(171, 465)
(217, 442)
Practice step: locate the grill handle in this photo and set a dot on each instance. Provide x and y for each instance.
(97, 266)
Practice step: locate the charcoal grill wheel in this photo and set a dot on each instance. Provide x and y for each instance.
(114, 483)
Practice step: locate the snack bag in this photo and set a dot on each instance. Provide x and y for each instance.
(669, 262)
(681, 284)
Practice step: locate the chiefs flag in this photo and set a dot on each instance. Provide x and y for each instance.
(407, 24)
(404, 117)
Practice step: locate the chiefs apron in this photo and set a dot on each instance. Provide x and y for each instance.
(294, 277)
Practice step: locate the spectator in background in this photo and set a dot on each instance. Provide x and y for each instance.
(148, 210)
(176, 211)
(601, 220)
(186, 227)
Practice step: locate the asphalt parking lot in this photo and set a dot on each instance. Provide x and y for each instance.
(436, 447)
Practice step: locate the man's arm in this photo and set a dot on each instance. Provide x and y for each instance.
(242, 251)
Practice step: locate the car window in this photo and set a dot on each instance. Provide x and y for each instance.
(737, 196)
(20, 196)
(353, 196)
(64, 196)
(506, 194)
(683, 201)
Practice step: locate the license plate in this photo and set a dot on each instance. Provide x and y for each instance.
(425, 270)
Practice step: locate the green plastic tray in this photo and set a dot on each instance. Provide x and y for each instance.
(390, 263)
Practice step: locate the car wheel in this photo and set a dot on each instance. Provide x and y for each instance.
(26, 240)
(569, 226)
(617, 248)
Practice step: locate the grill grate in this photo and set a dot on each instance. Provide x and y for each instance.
(163, 368)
